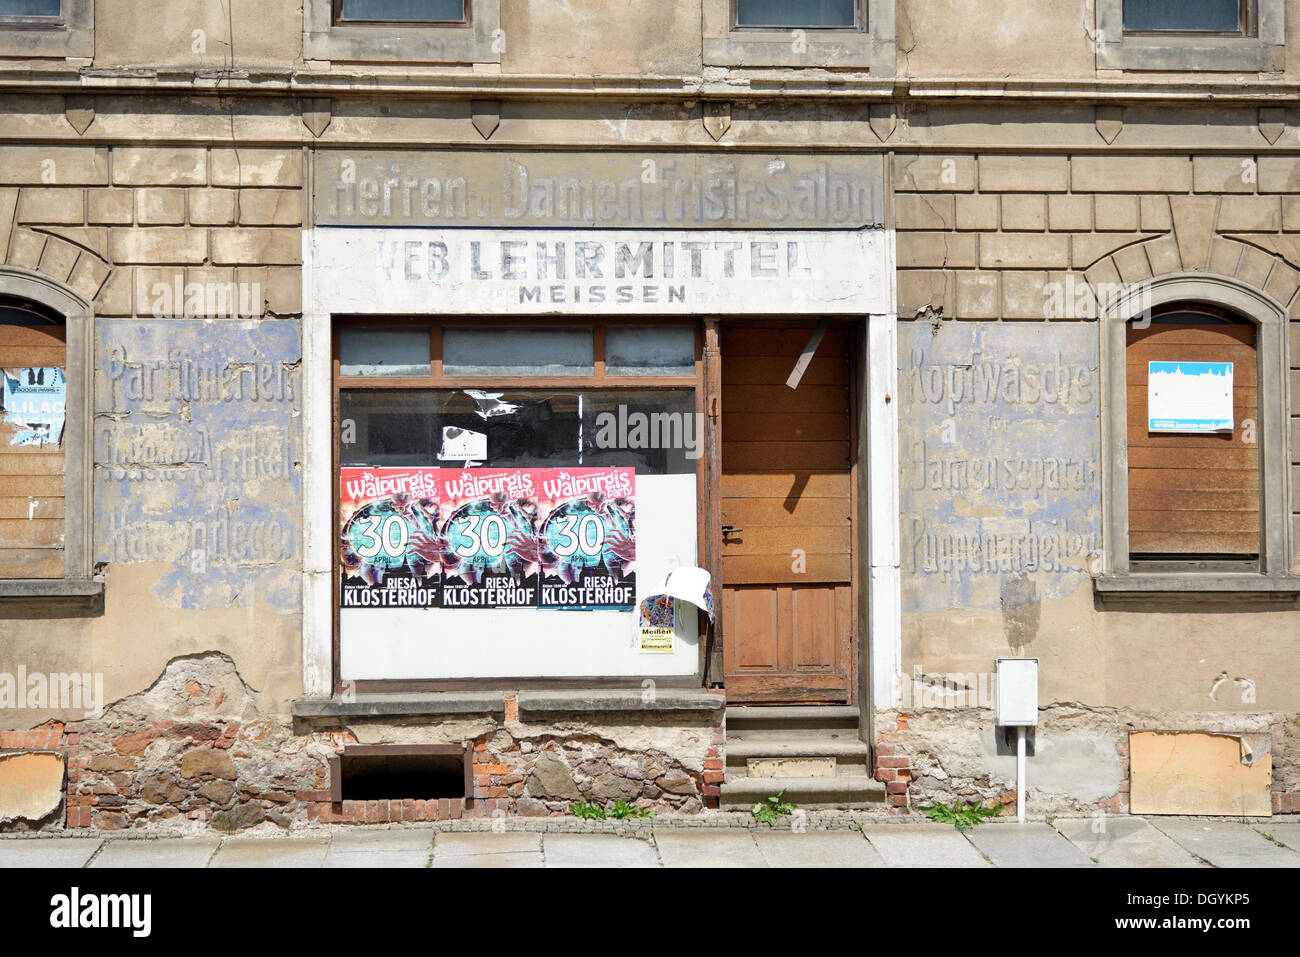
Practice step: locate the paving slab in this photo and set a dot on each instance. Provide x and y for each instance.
(164, 852)
(271, 852)
(816, 849)
(1228, 843)
(1033, 844)
(1287, 832)
(707, 848)
(48, 852)
(598, 850)
(477, 849)
(1124, 842)
(366, 840)
(918, 845)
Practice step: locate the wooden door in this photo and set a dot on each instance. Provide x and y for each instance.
(31, 463)
(787, 596)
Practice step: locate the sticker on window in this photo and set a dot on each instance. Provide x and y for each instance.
(34, 402)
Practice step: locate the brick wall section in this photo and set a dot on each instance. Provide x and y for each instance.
(118, 223)
(996, 237)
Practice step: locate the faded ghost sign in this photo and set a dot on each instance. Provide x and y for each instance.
(607, 189)
(581, 272)
(1000, 462)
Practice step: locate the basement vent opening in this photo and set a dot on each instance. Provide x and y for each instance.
(394, 772)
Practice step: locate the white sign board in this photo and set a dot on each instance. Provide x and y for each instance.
(593, 272)
(1189, 397)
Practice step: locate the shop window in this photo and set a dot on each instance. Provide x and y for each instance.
(1195, 426)
(595, 438)
(406, 31)
(47, 28)
(1191, 35)
(782, 33)
(44, 454)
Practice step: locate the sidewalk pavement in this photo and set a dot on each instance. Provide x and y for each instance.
(1065, 842)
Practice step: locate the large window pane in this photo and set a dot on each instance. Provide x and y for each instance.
(653, 351)
(372, 351)
(1207, 15)
(654, 431)
(518, 352)
(29, 8)
(433, 11)
(795, 13)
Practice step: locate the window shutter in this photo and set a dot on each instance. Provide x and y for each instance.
(1194, 495)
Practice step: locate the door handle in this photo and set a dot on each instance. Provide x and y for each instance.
(729, 530)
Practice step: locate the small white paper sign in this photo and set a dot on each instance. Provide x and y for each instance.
(462, 445)
(1189, 397)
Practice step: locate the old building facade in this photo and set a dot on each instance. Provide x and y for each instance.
(369, 364)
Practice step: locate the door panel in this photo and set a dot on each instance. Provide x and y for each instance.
(787, 568)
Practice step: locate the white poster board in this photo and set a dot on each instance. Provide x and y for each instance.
(1189, 397)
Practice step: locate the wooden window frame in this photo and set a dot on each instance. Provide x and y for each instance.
(77, 584)
(1272, 580)
(436, 380)
(340, 20)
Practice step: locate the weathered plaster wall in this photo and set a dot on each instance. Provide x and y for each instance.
(197, 499)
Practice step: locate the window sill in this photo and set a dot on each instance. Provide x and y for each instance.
(51, 591)
(445, 703)
(1198, 588)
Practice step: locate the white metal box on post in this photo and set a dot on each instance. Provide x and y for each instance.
(1017, 692)
(1017, 707)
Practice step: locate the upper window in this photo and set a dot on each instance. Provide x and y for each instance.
(792, 13)
(401, 11)
(1242, 36)
(800, 33)
(1187, 16)
(407, 31)
(47, 28)
(48, 9)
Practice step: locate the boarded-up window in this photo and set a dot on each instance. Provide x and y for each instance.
(1194, 495)
(33, 357)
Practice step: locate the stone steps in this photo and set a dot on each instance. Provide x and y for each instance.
(814, 754)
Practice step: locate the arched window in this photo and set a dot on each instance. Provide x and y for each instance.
(1195, 442)
(45, 454)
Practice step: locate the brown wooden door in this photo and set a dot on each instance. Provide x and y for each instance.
(787, 596)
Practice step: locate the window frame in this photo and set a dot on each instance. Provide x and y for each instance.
(1259, 48)
(78, 318)
(472, 40)
(1246, 16)
(70, 34)
(859, 24)
(339, 20)
(436, 380)
(870, 44)
(1273, 579)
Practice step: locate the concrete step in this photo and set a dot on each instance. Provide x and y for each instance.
(791, 717)
(844, 790)
(843, 756)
